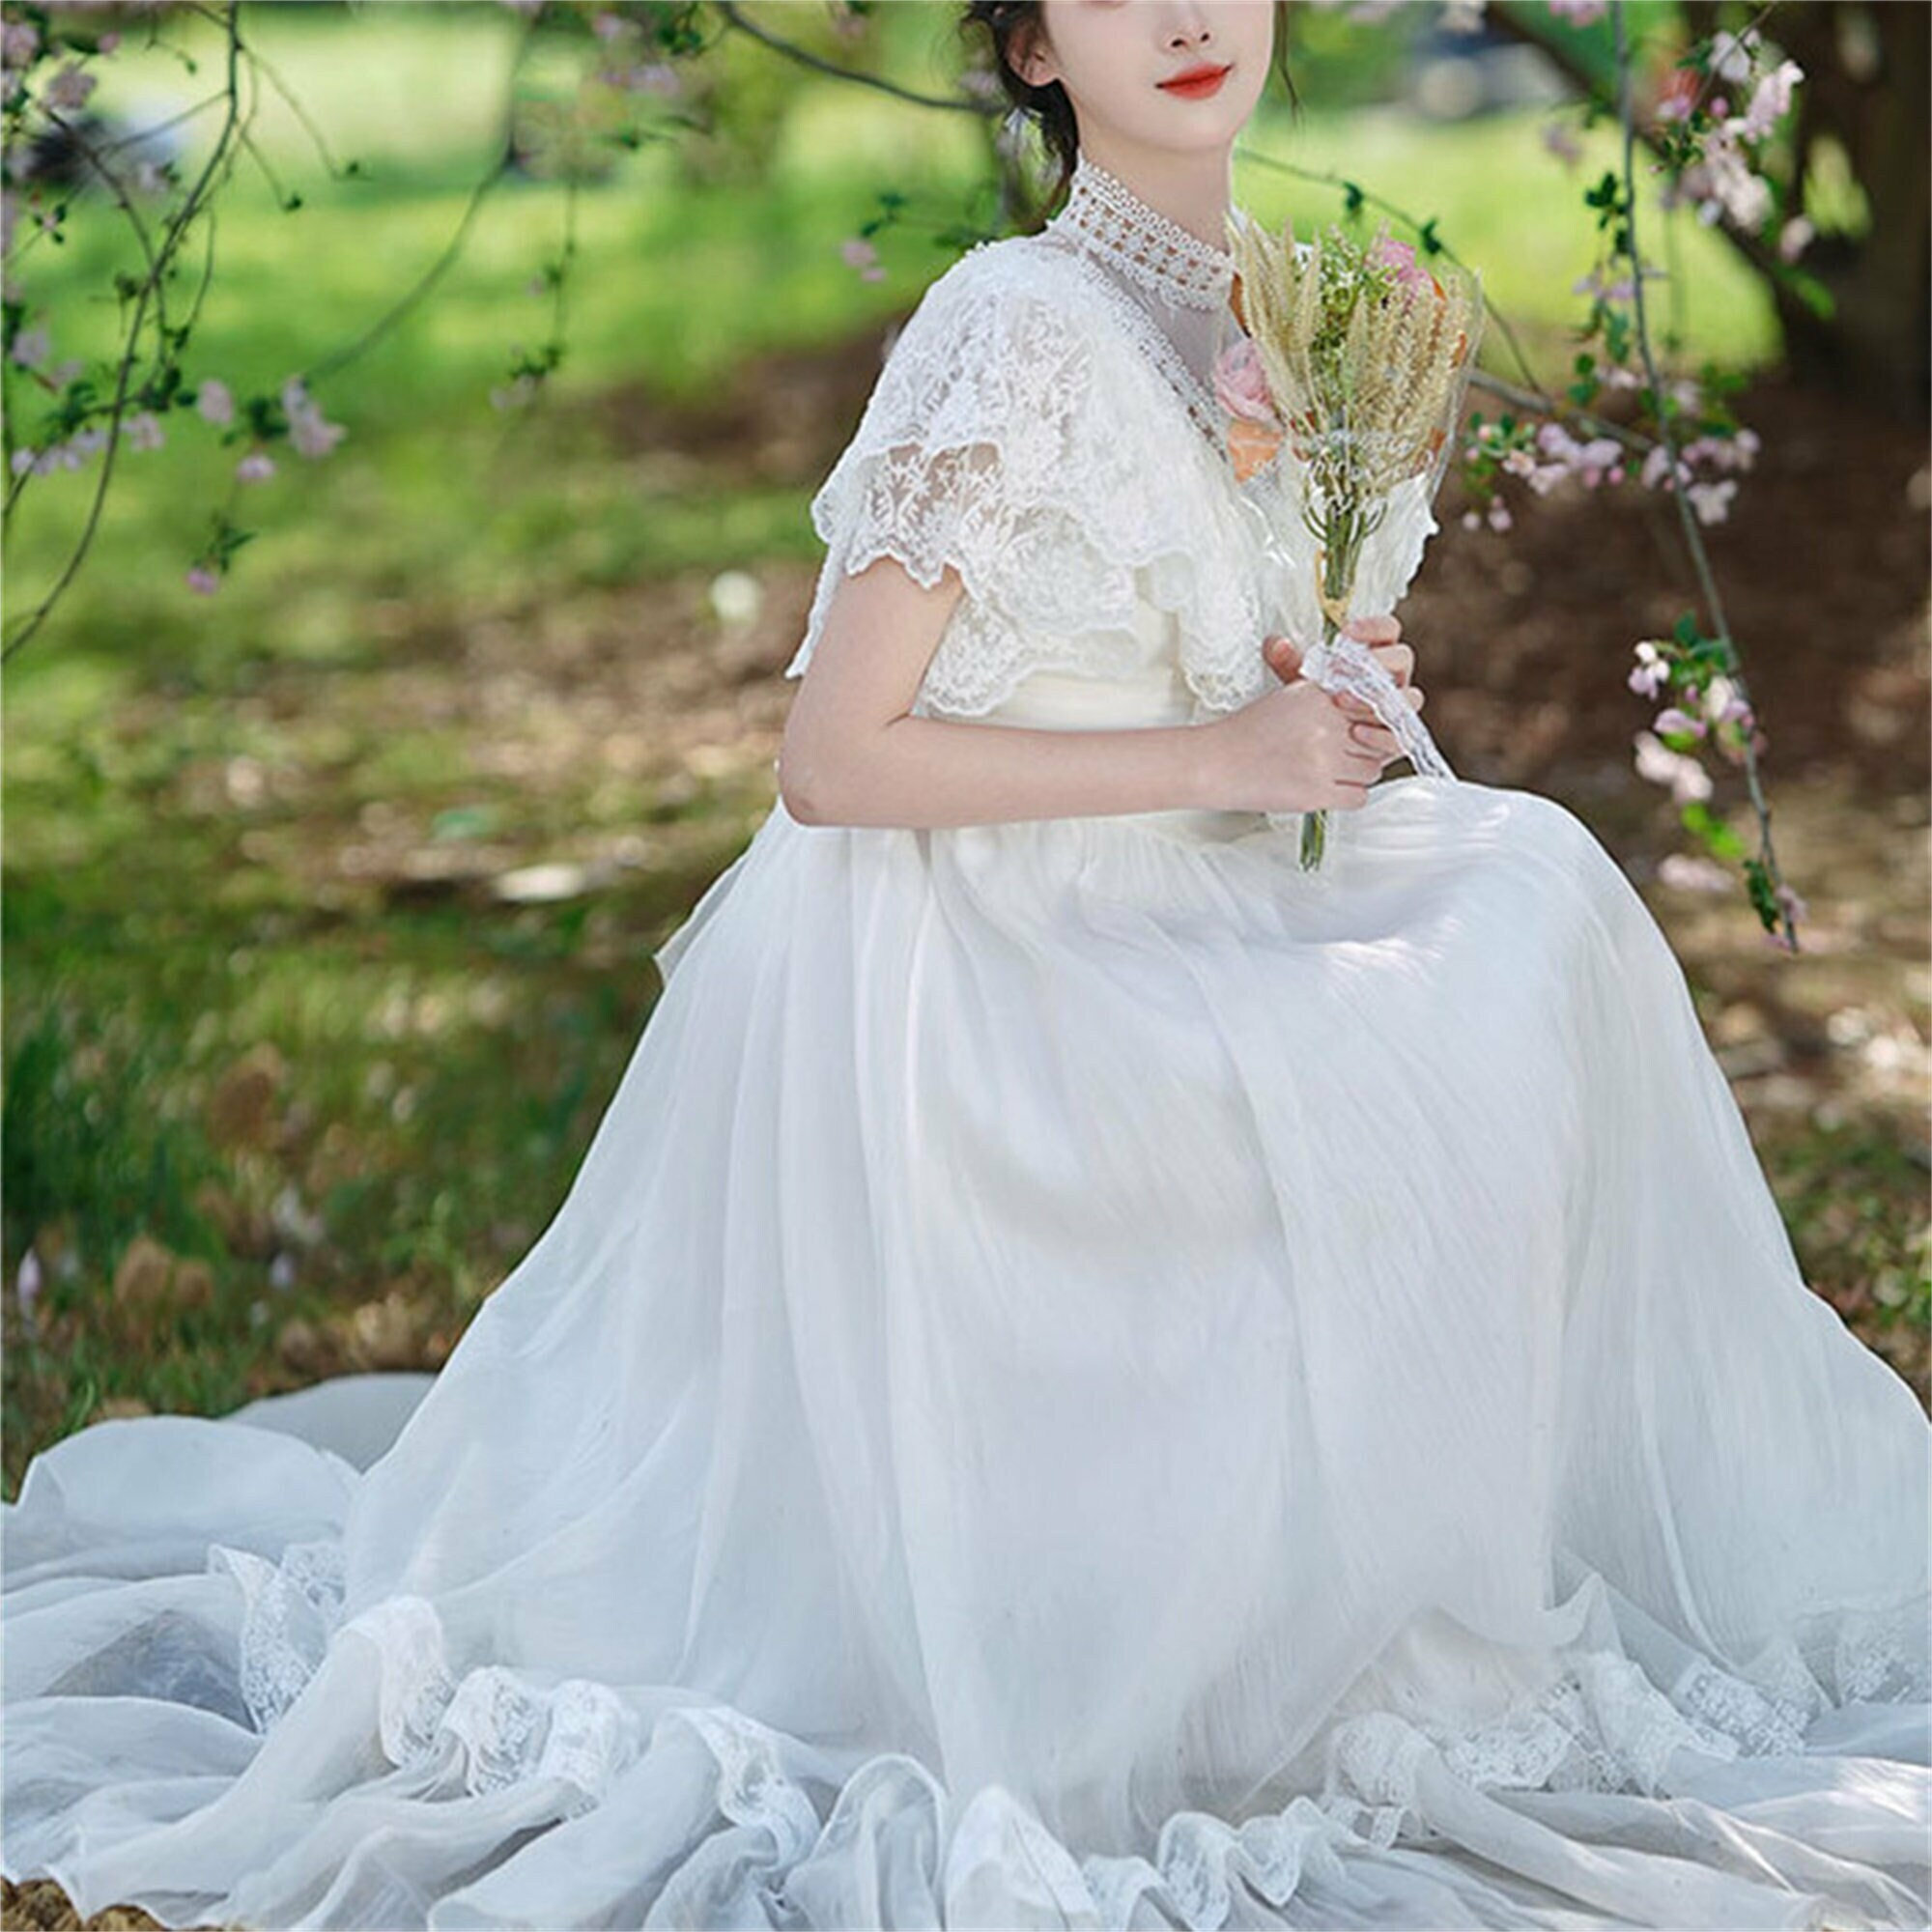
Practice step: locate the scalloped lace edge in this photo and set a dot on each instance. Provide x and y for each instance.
(1603, 1724)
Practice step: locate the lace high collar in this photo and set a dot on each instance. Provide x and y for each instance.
(1108, 218)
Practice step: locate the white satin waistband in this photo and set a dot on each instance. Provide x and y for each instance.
(1071, 701)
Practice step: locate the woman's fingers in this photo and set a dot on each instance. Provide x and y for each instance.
(1398, 660)
(1382, 629)
(1281, 658)
(1356, 708)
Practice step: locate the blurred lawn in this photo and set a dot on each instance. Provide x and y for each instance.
(202, 1048)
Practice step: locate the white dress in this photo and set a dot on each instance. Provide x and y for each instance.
(1087, 1377)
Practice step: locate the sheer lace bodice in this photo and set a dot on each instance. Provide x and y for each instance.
(1044, 425)
(1167, 289)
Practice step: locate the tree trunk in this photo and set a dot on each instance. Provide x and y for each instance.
(1867, 86)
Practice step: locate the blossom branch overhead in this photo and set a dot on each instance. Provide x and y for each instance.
(1709, 122)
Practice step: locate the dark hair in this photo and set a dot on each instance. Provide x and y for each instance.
(1049, 107)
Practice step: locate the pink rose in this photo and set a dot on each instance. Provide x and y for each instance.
(1389, 253)
(1240, 384)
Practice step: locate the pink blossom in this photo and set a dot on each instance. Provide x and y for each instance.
(1771, 101)
(1732, 55)
(1692, 872)
(1588, 460)
(257, 467)
(1655, 761)
(30, 348)
(1578, 12)
(308, 431)
(1561, 141)
(69, 87)
(1673, 718)
(1794, 237)
(1655, 461)
(1622, 288)
(859, 254)
(1652, 674)
(1678, 95)
(1723, 182)
(213, 403)
(313, 436)
(203, 582)
(1712, 501)
(58, 455)
(20, 41)
(1241, 385)
(1389, 253)
(143, 430)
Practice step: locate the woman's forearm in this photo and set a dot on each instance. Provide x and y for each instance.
(917, 771)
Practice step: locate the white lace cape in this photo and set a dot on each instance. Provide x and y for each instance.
(1022, 430)
(1016, 434)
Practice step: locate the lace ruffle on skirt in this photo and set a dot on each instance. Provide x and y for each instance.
(1606, 1724)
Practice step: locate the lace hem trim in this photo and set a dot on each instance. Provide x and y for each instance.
(1603, 1726)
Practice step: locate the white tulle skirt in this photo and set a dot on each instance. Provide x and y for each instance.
(1087, 1377)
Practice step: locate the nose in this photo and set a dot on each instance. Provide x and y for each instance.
(1189, 28)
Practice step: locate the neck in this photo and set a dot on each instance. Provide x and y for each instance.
(1142, 242)
(1193, 191)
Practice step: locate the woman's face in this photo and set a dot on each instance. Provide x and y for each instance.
(1112, 55)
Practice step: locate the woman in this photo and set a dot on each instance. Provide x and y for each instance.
(1089, 1375)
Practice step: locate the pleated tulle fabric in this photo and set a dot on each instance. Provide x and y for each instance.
(1087, 1377)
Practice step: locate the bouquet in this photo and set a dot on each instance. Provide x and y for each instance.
(1351, 368)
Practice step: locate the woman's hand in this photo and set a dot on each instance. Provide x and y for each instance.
(1382, 635)
(1300, 748)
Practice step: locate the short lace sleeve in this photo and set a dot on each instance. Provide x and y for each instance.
(1002, 439)
(953, 462)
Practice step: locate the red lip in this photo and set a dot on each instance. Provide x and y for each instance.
(1197, 82)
